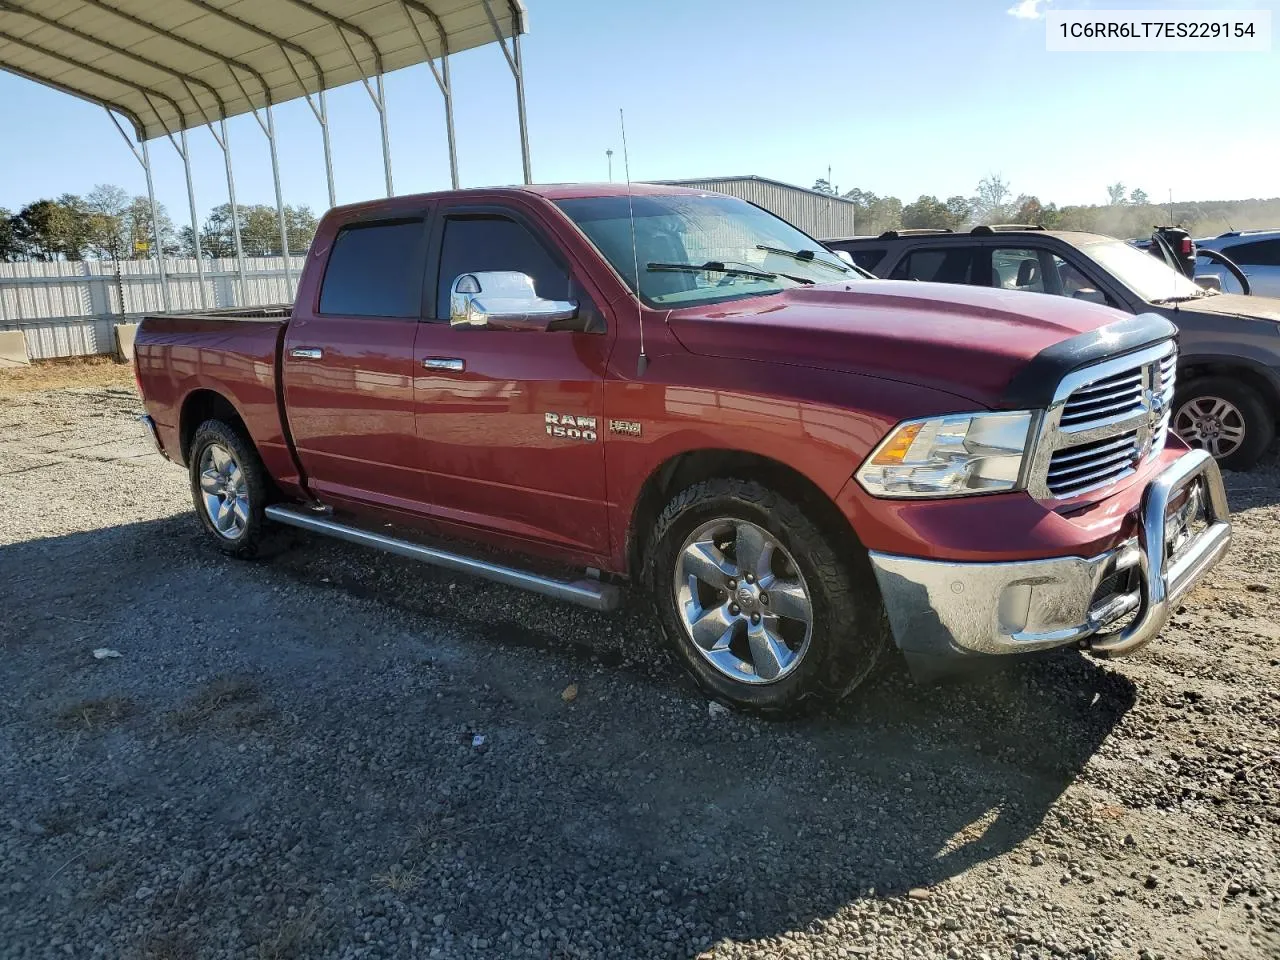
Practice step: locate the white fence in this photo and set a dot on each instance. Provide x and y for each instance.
(69, 309)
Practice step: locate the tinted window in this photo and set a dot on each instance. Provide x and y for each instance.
(375, 270)
(949, 265)
(477, 244)
(1260, 253)
(867, 258)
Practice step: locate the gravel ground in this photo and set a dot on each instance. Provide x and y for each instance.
(333, 753)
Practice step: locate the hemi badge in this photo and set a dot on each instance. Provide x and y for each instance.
(630, 428)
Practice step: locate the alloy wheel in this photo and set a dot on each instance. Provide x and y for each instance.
(743, 601)
(224, 492)
(1210, 423)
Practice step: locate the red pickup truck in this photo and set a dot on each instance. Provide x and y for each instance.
(676, 389)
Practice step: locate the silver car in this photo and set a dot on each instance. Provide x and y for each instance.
(1256, 252)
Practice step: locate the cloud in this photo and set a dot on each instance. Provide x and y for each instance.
(1028, 9)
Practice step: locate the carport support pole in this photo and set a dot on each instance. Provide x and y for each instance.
(518, 69)
(225, 143)
(155, 227)
(195, 223)
(386, 136)
(275, 175)
(328, 152)
(448, 121)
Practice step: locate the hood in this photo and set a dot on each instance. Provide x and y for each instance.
(1231, 305)
(968, 341)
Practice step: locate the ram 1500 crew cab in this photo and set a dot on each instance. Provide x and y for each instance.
(678, 390)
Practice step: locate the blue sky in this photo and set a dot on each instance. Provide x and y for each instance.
(900, 97)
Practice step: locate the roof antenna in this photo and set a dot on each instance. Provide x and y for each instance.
(642, 362)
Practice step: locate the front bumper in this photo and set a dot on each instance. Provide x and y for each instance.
(1113, 603)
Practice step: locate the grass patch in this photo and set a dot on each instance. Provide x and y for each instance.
(398, 879)
(97, 714)
(290, 940)
(228, 701)
(168, 947)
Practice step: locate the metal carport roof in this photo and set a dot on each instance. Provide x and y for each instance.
(170, 65)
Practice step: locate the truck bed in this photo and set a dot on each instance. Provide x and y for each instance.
(184, 359)
(272, 313)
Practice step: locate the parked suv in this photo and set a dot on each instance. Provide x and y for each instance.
(1229, 353)
(1256, 252)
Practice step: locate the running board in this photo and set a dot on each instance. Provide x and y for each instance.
(588, 593)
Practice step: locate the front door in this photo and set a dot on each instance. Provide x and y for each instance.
(511, 422)
(349, 365)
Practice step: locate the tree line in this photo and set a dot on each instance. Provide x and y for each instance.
(1127, 213)
(108, 224)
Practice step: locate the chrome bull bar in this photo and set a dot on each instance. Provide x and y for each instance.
(1163, 579)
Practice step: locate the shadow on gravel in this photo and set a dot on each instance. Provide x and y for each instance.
(627, 823)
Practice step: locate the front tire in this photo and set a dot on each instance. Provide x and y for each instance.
(767, 613)
(228, 487)
(1226, 418)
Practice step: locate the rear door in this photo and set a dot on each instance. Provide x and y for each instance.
(511, 422)
(1260, 261)
(349, 366)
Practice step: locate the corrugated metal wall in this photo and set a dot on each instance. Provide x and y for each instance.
(816, 214)
(67, 309)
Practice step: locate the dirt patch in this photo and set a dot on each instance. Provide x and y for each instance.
(97, 715)
(77, 372)
(234, 702)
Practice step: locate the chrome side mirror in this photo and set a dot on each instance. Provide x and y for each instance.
(503, 300)
(1209, 281)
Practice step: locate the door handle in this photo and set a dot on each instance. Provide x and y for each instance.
(445, 363)
(306, 353)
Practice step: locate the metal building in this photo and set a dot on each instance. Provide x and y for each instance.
(817, 214)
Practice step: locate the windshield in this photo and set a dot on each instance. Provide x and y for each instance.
(1149, 278)
(702, 248)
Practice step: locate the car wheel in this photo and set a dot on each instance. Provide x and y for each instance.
(1225, 417)
(229, 487)
(763, 609)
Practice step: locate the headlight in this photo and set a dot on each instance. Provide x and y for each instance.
(949, 456)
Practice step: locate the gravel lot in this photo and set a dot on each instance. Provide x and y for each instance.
(286, 760)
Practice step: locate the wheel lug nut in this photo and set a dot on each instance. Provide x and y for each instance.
(733, 584)
(755, 618)
(734, 609)
(750, 578)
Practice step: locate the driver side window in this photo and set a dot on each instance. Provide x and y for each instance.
(483, 243)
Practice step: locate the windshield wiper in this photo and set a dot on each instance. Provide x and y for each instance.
(719, 266)
(1184, 299)
(804, 256)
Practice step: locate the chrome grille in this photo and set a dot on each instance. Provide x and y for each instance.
(1113, 416)
(1116, 396)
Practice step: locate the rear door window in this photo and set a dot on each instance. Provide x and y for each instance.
(1259, 253)
(1017, 268)
(375, 270)
(474, 244)
(954, 264)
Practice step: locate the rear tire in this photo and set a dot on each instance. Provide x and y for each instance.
(1225, 417)
(786, 619)
(228, 487)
